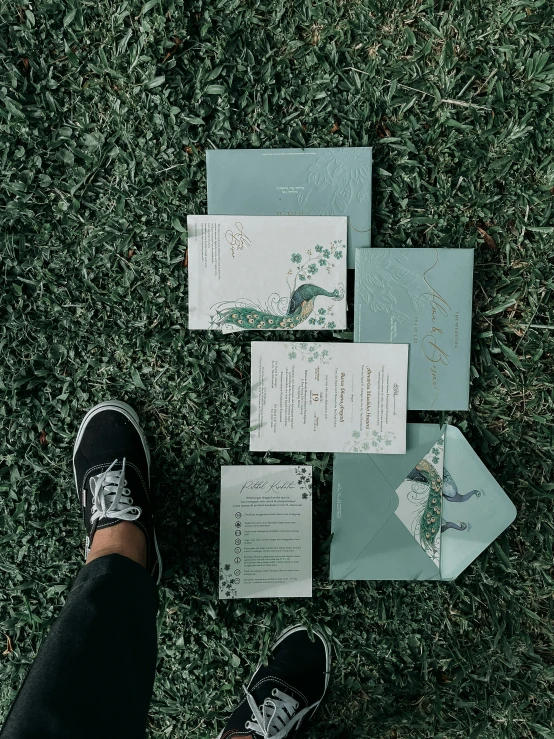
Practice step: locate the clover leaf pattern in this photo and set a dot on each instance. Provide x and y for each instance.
(227, 583)
(323, 319)
(310, 352)
(318, 258)
(369, 442)
(304, 480)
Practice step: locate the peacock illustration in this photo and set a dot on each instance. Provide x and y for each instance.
(449, 488)
(450, 493)
(300, 306)
(427, 525)
(462, 526)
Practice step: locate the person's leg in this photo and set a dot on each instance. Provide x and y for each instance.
(94, 674)
(282, 696)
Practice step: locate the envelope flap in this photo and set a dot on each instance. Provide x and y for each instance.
(393, 554)
(420, 437)
(475, 509)
(363, 500)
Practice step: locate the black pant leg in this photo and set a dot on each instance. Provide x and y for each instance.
(94, 673)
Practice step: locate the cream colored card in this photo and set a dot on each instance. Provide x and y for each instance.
(266, 532)
(267, 273)
(328, 397)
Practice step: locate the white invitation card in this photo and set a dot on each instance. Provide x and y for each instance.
(265, 532)
(328, 397)
(267, 272)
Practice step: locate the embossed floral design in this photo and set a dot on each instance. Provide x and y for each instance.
(378, 278)
(347, 174)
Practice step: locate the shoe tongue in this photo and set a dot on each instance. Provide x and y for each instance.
(116, 469)
(274, 681)
(263, 690)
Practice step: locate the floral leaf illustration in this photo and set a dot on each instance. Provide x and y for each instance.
(342, 197)
(346, 173)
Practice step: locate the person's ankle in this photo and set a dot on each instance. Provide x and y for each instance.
(124, 538)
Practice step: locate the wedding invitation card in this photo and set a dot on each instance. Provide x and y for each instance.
(421, 297)
(267, 273)
(266, 532)
(292, 182)
(327, 397)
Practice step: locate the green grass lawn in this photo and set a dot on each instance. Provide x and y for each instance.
(106, 110)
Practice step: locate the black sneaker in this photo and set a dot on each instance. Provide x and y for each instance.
(282, 697)
(111, 462)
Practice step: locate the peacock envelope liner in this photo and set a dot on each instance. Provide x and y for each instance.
(370, 542)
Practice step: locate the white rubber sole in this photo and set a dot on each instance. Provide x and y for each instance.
(131, 414)
(291, 630)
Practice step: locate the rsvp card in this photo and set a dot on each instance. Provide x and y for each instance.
(318, 397)
(271, 273)
(265, 532)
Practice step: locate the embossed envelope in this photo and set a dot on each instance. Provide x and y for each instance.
(420, 297)
(283, 182)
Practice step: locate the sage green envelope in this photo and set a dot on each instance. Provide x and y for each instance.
(421, 297)
(371, 543)
(332, 181)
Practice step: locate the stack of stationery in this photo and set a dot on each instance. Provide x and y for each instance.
(410, 501)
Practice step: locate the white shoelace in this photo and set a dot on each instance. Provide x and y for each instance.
(276, 717)
(111, 498)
